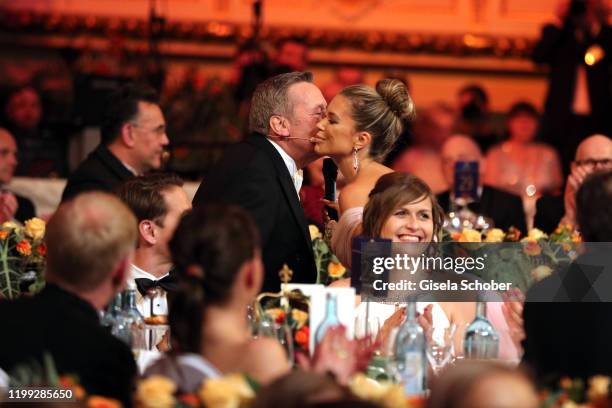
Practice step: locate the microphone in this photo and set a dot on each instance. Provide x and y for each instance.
(330, 173)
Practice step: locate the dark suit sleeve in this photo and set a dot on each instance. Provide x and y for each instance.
(548, 43)
(254, 188)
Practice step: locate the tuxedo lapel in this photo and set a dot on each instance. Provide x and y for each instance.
(286, 183)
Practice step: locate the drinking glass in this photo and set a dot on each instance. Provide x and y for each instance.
(440, 346)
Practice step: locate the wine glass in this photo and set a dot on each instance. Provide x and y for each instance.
(440, 347)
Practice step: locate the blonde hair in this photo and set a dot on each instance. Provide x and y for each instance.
(380, 112)
(87, 237)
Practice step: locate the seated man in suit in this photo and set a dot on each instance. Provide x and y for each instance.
(263, 174)
(90, 241)
(133, 140)
(158, 201)
(12, 206)
(568, 315)
(593, 153)
(505, 209)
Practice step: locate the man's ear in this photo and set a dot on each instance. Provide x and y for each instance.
(120, 274)
(362, 140)
(127, 134)
(279, 126)
(147, 231)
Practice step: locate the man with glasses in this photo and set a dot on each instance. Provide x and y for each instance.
(263, 173)
(133, 140)
(593, 153)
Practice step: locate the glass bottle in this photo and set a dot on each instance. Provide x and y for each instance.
(133, 320)
(410, 357)
(481, 340)
(330, 319)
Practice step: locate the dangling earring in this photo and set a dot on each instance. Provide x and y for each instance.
(355, 160)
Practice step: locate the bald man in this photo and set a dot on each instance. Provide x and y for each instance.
(12, 206)
(505, 209)
(593, 153)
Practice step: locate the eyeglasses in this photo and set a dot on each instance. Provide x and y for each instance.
(594, 162)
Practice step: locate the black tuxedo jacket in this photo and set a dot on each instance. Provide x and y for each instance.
(101, 170)
(253, 175)
(549, 211)
(572, 335)
(504, 208)
(68, 328)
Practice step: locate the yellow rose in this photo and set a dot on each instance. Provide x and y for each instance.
(35, 228)
(10, 225)
(335, 270)
(494, 235)
(535, 235)
(299, 316)
(540, 272)
(231, 391)
(394, 397)
(598, 389)
(366, 388)
(470, 235)
(314, 232)
(156, 392)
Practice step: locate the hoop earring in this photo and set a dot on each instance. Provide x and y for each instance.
(355, 160)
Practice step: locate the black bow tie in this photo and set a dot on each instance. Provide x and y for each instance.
(167, 283)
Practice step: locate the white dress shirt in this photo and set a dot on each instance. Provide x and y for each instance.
(160, 304)
(297, 176)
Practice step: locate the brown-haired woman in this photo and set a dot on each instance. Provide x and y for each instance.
(360, 129)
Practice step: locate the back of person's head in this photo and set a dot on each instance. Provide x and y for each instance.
(594, 207)
(144, 195)
(392, 191)
(482, 384)
(522, 108)
(301, 389)
(87, 237)
(271, 97)
(209, 248)
(123, 107)
(380, 112)
(477, 94)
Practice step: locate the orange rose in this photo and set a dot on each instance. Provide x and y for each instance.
(24, 248)
(190, 400)
(41, 249)
(336, 270)
(532, 248)
(3, 235)
(280, 318)
(302, 337)
(96, 401)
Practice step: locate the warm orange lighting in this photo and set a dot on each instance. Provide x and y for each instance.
(593, 55)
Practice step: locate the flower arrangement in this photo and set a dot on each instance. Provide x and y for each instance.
(385, 394)
(523, 261)
(329, 268)
(572, 393)
(22, 257)
(231, 391)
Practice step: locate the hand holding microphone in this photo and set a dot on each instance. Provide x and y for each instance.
(330, 173)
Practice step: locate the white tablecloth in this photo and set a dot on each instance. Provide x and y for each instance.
(47, 193)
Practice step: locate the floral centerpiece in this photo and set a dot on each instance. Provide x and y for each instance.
(329, 268)
(22, 257)
(573, 393)
(523, 261)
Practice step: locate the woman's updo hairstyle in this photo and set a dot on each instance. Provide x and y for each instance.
(208, 248)
(392, 191)
(380, 112)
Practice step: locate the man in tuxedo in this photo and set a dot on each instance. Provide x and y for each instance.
(12, 206)
(133, 140)
(593, 153)
(90, 241)
(263, 173)
(505, 209)
(568, 315)
(158, 201)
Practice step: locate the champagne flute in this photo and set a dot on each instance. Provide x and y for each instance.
(440, 348)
